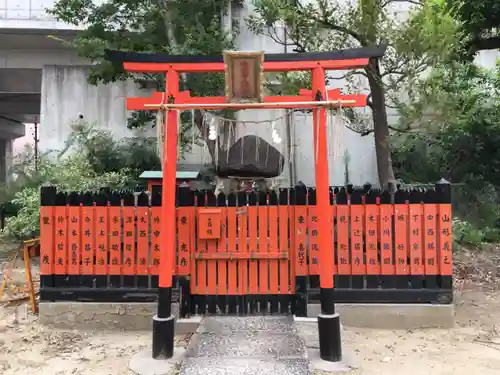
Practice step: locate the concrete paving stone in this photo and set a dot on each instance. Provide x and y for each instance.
(257, 344)
(280, 324)
(245, 366)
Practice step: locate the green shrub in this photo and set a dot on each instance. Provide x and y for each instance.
(91, 160)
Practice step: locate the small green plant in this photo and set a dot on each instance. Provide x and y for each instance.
(465, 234)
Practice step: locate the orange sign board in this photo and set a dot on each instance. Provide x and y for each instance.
(209, 223)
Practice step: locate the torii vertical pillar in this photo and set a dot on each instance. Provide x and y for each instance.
(163, 321)
(328, 321)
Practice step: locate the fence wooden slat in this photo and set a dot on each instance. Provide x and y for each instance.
(372, 238)
(284, 237)
(201, 247)
(115, 229)
(211, 249)
(142, 211)
(185, 219)
(155, 239)
(273, 243)
(129, 217)
(388, 267)
(313, 233)
(88, 236)
(401, 235)
(344, 263)
(357, 217)
(242, 244)
(47, 243)
(263, 244)
(300, 232)
(333, 215)
(222, 246)
(192, 239)
(292, 253)
(101, 235)
(232, 285)
(61, 237)
(416, 239)
(253, 243)
(74, 238)
(445, 239)
(430, 240)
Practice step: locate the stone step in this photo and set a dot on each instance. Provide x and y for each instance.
(245, 366)
(255, 344)
(279, 324)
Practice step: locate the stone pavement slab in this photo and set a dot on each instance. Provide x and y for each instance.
(245, 366)
(246, 345)
(281, 324)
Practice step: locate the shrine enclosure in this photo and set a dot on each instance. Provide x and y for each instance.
(249, 252)
(105, 247)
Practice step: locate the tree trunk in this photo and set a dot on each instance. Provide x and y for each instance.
(380, 125)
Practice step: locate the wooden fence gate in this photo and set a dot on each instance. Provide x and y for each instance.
(242, 259)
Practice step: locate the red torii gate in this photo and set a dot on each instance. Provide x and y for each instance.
(318, 98)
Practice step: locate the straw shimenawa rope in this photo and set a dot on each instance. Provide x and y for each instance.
(160, 136)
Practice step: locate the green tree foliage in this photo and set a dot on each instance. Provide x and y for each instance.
(187, 27)
(456, 117)
(416, 40)
(91, 160)
(480, 21)
(105, 154)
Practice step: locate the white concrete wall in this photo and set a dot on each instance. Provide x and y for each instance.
(66, 93)
(30, 14)
(37, 59)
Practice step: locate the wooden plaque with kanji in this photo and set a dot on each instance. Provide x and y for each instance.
(244, 77)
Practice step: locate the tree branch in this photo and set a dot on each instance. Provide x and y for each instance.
(348, 74)
(274, 36)
(414, 2)
(369, 102)
(367, 132)
(480, 44)
(328, 24)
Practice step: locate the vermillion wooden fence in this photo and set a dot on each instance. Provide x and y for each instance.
(248, 252)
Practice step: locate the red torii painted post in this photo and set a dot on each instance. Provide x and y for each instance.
(317, 98)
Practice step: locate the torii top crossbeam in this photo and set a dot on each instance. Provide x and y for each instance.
(173, 66)
(162, 63)
(273, 62)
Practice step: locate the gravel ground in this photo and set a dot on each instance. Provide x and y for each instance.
(472, 347)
